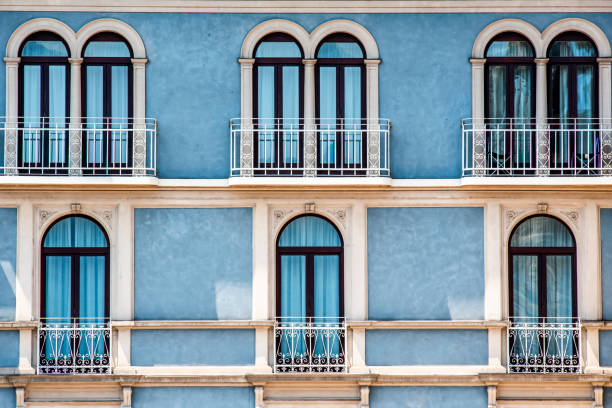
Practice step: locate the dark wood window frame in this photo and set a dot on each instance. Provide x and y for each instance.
(107, 63)
(44, 63)
(309, 253)
(340, 64)
(541, 253)
(278, 64)
(75, 253)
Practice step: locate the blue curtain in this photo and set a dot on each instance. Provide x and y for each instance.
(57, 306)
(583, 48)
(57, 113)
(119, 114)
(340, 50)
(74, 232)
(327, 113)
(107, 49)
(265, 108)
(510, 49)
(44, 49)
(352, 115)
(291, 113)
(95, 112)
(91, 305)
(278, 49)
(293, 302)
(542, 231)
(31, 111)
(309, 231)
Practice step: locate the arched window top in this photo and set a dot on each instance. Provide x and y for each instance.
(107, 45)
(309, 231)
(75, 232)
(278, 45)
(510, 45)
(572, 44)
(541, 231)
(340, 45)
(44, 44)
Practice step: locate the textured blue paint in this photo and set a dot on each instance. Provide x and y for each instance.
(8, 254)
(606, 262)
(193, 347)
(7, 397)
(192, 263)
(193, 80)
(9, 348)
(193, 397)
(427, 347)
(607, 399)
(427, 397)
(425, 263)
(605, 348)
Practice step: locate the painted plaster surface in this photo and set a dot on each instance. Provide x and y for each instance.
(192, 263)
(605, 348)
(9, 349)
(606, 262)
(607, 397)
(426, 397)
(425, 263)
(426, 347)
(193, 81)
(193, 397)
(7, 397)
(8, 254)
(193, 347)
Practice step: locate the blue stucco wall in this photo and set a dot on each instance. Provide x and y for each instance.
(193, 80)
(425, 263)
(607, 400)
(8, 254)
(427, 397)
(193, 397)
(427, 347)
(193, 347)
(7, 397)
(9, 348)
(606, 262)
(605, 348)
(199, 261)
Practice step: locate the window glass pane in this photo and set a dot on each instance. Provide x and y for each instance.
(560, 91)
(525, 286)
(44, 49)
(57, 287)
(291, 113)
(115, 49)
(31, 112)
(340, 50)
(278, 49)
(542, 231)
(265, 113)
(57, 113)
(352, 114)
(309, 231)
(95, 111)
(326, 286)
(293, 286)
(522, 91)
(92, 287)
(572, 49)
(327, 113)
(559, 286)
(119, 114)
(497, 91)
(584, 91)
(75, 232)
(510, 49)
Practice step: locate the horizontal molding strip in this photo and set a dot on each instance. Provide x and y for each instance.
(313, 6)
(191, 324)
(426, 324)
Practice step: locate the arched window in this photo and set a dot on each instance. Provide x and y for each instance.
(341, 103)
(278, 103)
(510, 100)
(107, 103)
(572, 102)
(44, 97)
(74, 297)
(310, 330)
(542, 294)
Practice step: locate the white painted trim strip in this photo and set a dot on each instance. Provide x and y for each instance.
(192, 324)
(427, 324)
(311, 6)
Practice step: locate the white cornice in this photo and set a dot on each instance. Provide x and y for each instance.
(312, 6)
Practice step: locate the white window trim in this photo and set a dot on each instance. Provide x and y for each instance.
(75, 42)
(309, 43)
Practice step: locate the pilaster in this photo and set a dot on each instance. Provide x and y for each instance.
(542, 134)
(139, 149)
(479, 147)
(372, 115)
(74, 134)
(246, 115)
(310, 134)
(605, 109)
(12, 102)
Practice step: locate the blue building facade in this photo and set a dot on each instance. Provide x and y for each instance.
(279, 204)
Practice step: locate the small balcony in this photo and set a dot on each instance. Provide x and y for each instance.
(79, 146)
(310, 147)
(310, 345)
(544, 345)
(530, 147)
(74, 346)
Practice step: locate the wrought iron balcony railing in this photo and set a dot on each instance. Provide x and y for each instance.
(310, 344)
(530, 147)
(79, 146)
(544, 345)
(310, 147)
(74, 346)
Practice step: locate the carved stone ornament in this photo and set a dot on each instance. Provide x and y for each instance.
(106, 216)
(337, 214)
(572, 214)
(281, 215)
(44, 214)
(511, 214)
